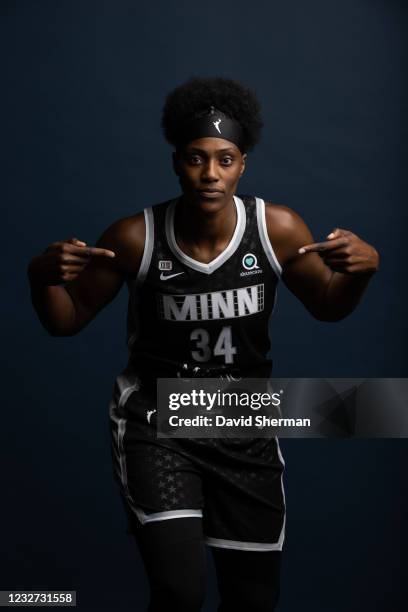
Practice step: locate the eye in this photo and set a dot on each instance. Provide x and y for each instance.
(194, 160)
(226, 161)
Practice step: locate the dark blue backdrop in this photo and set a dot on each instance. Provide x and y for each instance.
(82, 96)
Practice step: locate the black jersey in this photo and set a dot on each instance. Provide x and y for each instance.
(208, 318)
(211, 319)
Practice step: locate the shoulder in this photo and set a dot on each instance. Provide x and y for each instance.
(126, 237)
(281, 219)
(286, 230)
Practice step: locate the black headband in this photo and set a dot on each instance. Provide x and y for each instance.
(213, 124)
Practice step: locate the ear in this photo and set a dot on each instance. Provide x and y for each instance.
(243, 164)
(176, 166)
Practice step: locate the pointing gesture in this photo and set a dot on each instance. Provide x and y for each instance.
(63, 261)
(345, 252)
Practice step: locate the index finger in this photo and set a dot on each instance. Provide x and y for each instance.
(97, 252)
(327, 245)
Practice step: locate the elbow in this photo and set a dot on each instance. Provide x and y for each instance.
(331, 312)
(330, 317)
(56, 332)
(63, 329)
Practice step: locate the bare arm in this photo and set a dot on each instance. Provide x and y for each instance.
(93, 277)
(329, 278)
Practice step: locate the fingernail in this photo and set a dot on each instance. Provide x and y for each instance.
(331, 235)
(80, 242)
(302, 250)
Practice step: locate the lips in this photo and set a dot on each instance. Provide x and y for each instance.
(210, 193)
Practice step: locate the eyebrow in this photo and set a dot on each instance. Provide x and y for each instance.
(197, 150)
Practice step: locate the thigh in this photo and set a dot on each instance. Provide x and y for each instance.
(173, 553)
(247, 580)
(171, 543)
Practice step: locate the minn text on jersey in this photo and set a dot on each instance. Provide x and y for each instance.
(229, 304)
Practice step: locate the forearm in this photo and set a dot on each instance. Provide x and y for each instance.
(54, 307)
(343, 294)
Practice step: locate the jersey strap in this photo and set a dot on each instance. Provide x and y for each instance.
(263, 235)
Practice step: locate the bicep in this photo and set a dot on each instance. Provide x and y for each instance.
(93, 289)
(308, 278)
(101, 280)
(305, 275)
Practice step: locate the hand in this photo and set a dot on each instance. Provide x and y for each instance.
(345, 252)
(63, 261)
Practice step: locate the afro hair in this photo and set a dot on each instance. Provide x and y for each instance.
(197, 95)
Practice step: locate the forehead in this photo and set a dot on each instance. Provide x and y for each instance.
(211, 145)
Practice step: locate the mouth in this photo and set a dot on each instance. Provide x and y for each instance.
(210, 193)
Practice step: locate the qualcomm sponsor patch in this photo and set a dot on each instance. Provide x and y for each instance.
(250, 263)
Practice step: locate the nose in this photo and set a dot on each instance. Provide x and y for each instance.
(209, 173)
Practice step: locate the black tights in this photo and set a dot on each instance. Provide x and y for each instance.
(173, 552)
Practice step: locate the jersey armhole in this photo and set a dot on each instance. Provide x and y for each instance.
(148, 246)
(265, 241)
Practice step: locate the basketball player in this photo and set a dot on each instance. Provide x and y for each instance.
(202, 271)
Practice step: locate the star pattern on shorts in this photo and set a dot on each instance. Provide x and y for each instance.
(172, 486)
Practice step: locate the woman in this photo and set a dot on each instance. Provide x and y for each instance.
(202, 272)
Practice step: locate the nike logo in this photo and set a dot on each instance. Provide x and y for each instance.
(168, 276)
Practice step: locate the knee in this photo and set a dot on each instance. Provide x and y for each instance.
(263, 600)
(255, 597)
(182, 596)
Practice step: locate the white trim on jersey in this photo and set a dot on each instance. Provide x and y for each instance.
(169, 514)
(281, 459)
(255, 546)
(263, 234)
(141, 275)
(148, 246)
(207, 268)
(126, 383)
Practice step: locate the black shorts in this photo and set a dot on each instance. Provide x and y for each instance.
(234, 485)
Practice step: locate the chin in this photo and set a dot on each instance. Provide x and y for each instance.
(207, 201)
(210, 204)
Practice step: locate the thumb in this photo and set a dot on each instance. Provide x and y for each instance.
(336, 233)
(77, 242)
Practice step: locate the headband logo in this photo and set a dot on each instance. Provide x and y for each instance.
(216, 124)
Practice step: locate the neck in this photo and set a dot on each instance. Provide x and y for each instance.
(195, 225)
